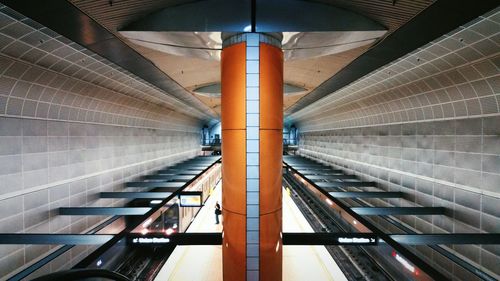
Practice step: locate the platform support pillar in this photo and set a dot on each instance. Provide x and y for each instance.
(252, 145)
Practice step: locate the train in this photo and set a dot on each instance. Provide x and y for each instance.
(143, 263)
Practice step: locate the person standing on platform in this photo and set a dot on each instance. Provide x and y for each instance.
(217, 212)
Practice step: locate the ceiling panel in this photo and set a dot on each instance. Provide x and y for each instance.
(190, 72)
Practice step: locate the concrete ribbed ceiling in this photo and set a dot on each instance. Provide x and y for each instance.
(191, 73)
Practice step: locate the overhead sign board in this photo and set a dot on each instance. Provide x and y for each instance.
(357, 241)
(191, 199)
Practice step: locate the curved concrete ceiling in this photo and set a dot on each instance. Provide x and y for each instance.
(455, 76)
(190, 73)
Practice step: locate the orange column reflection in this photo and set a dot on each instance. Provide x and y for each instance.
(271, 147)
(234, 161)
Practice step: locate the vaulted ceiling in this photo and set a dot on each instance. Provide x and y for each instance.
(191, 72)
(96, 25)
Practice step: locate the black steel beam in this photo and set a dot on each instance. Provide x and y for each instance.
(101, 250)
(175, 177)
(330, 177)
(190, 166)
(345, 184)
(208, 238)
(103, 211)
(329, 172)
(451, 238)
(359, 239)
(179, 171)
(310, 166)
(53, 239)
(387, 211)
(316, 170)
(161, 177)
(143, 195)
(165, 189)
(365, 194)
(423, 265)
(183, 177)
(154, 184)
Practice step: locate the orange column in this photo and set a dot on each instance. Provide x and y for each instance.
(233, 109)
(271, 148)
(252, 125)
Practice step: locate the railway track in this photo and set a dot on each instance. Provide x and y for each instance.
(354, 261)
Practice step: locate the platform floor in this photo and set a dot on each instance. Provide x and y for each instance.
(204, 263)
(197, 263)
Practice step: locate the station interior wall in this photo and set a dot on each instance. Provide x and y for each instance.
(65, 139)
(427, 125)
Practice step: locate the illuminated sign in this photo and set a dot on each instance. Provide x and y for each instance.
(154, 240)
(190, 199)
(357, 240)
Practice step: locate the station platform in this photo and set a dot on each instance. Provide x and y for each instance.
(197, 263)
(204, 263)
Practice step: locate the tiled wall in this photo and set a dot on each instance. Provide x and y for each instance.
(427, 125)
(72, 125)
(455, 164)
(49, 164)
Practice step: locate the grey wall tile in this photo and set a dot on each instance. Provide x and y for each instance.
(10, 164)
(491, 163)
(491, 145)
(10, 127)
(34, 144)
(490, 205)
(10, 145)
(490, 182)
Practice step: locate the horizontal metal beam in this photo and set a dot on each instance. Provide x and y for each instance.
(194, 171)
(451, 238)
(366, 194)
(326, 169)
(175, 177)
(53, 239)
(331, 177)
(183, 172)
(330, 172)
(103, 211)
(300, 238)
(182, 177)
(143, 195)
(165, 189)
(191, 166)
(161, 177)
(309, 166)
(381, 211)
(409, 255)
(200, 238)
(345, 184)
(154, 184)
